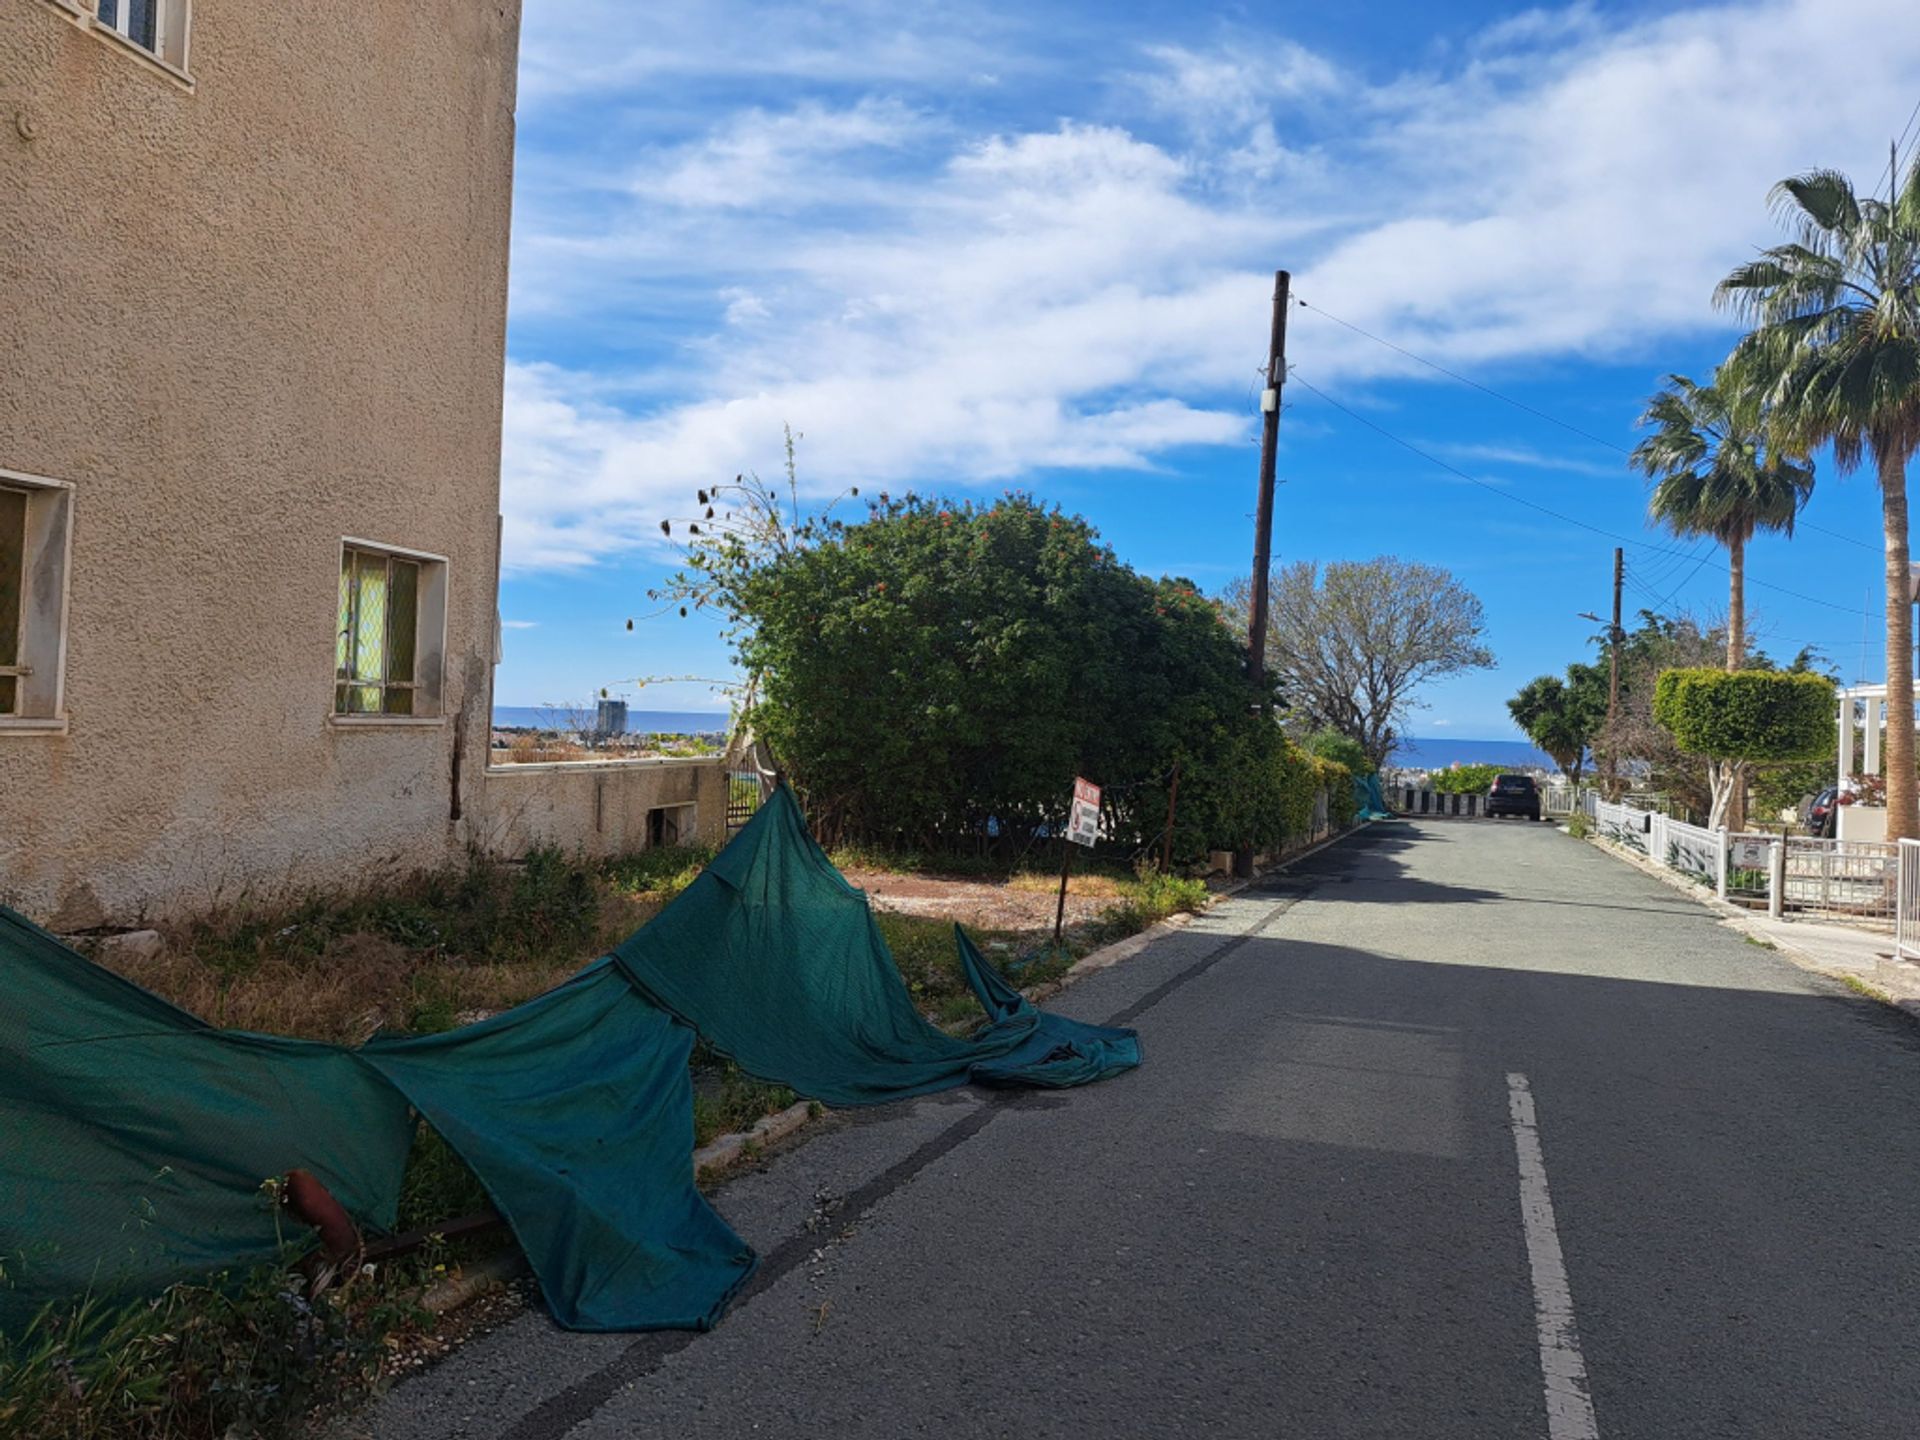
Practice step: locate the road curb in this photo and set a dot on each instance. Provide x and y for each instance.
(482, 1277)
(726, 1151)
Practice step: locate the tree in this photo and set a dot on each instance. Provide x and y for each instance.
(1341, 749)
(1563, 716)
(1715, 475)
(1350, 644)
(938, 673)
(1836, 342)
(1744, 718)
(1465, 779)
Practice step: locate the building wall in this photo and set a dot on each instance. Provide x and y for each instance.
(601, 808)
(246, 318)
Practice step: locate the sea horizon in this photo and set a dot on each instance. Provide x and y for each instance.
(1413, 752)
(639, 722)
(1433, 752)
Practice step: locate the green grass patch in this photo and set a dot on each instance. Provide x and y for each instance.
(658, 874)
(241, 1354)
(1864, 988)
(726, 1098)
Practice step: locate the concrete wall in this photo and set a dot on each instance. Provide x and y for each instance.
(600, 808)
(245, 317)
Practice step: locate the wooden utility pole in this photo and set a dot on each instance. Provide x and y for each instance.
(1269, 446)
(1613, 678)
(1263, 513)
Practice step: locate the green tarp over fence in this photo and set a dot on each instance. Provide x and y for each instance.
(134, 1138)
(1368, 802)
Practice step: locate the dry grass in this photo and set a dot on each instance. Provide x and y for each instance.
(421, 956)
(1093, 886)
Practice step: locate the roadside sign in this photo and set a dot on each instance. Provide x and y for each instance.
(1751, 854)
(1083, 821)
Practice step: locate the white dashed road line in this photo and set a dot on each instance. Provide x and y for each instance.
(1569, 1408)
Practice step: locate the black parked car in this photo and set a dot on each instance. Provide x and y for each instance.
(1823, 813)
(1514, 795)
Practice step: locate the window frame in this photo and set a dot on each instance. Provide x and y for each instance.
(428, 685)
(172, 32)
(40, 668)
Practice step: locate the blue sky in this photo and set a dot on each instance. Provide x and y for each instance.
(974, 246)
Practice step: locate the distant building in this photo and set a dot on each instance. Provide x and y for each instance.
(610, 720)
(253, 290)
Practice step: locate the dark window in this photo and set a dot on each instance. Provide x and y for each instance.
(135, 19)
(13, 572)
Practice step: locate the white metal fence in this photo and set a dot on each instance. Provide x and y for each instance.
(1751, 863)
(1622, 824)
(1906, 927)
(1853, 881)
(1689, 850)
(1869, 884)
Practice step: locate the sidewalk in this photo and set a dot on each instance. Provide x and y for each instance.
(1865, 957)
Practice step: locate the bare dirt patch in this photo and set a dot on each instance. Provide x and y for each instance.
(1022, 903)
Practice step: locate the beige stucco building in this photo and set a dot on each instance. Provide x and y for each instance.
(253, 281)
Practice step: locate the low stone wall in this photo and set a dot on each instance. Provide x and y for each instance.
(602, 807)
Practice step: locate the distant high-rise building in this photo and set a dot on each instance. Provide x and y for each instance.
(611, 719)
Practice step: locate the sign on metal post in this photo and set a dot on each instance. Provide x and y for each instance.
(1083, 828)
(1083, 821)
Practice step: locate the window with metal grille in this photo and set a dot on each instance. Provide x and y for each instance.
(377, 648)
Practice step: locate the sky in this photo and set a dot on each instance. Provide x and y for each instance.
(973, 247)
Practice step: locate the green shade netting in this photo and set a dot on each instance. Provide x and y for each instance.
(134, 1138)
(778, 963)
(1369, 803)
(576, 1111)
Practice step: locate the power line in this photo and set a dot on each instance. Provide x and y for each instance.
(1565, 519)
(1686, 580)
(1464, 380)
(1566, 425)
(1893, 175)
(1809, 525)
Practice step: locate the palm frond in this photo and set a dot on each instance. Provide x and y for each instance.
(1820, 205)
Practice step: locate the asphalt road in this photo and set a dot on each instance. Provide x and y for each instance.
(1451, 1108)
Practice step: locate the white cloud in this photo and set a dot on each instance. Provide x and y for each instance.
(520, 624)
(1528, 458)
(935, 300)
(762, 160)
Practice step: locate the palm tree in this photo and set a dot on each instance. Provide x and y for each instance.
(1714, 475)
(1836, 341)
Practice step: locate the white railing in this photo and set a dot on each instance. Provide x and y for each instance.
(1871, 884)
(1559, 800)
(1852, 880)
(1751, 866)
(1689, 849)
(1622, 824)
(1906, 921)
